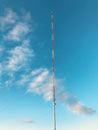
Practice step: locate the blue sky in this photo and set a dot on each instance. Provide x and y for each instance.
(25, 64)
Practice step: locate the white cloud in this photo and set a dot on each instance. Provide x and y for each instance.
(37, 71)
(79, 108)
(27, 77)
(19, 57)
(18, 32)
(16, 27)
(39, 81)
(9, 18)
(74, 105)
(27, 121)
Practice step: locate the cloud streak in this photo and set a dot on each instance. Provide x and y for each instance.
(19, 57)
(18, 32)
(39, 81)
(9, 18)
(74, 105)
(16, 27)
(28, 121)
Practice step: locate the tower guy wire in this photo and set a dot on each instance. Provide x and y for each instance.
(53, 74)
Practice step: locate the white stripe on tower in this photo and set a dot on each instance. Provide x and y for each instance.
(53, 75)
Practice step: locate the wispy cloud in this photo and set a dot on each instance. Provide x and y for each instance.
(19, 57)
(74, 105)
(28, 121)
(40, 82)
(15, 27)
(9, 18)
(27, 77)
(18, 32)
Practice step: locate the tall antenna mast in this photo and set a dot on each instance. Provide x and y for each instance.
(53, 75)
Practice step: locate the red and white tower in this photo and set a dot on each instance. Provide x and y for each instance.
(53, 74)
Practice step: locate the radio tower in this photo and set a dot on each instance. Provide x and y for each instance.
(53, 75)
